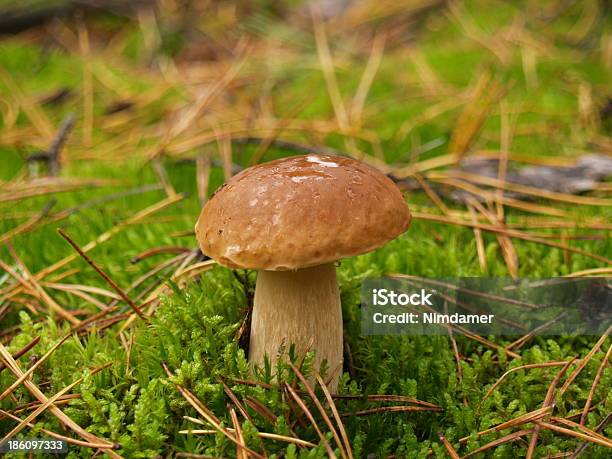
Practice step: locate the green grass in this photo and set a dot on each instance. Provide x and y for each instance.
(135, 404)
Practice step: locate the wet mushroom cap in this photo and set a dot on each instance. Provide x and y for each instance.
(301, 211)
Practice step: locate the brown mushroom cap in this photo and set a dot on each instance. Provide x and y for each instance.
(301, 211)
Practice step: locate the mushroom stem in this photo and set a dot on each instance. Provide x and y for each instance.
(298, 307)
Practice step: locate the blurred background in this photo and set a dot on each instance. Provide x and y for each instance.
(473, 103)
(398, 80)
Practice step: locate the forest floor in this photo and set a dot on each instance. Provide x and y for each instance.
(116, 128)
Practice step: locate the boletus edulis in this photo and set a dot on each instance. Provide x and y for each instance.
(292, 219)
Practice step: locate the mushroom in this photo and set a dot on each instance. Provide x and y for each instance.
(292, 219)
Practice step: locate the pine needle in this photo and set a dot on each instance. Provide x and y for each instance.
(332, 406)
(22, 351)
(389, 409)
(241, 452)
(367, 78)
(269, 436)
(549, 402)
(310, 417)
(49, 402)
(571, 433)
(509, 232)
(521, 367)
(500, 441)
(449, 448)
(319, 406)
(584, 361)
(202, 175)
(207, 414)
(105, 276)
(587, 405)
(30, 371)
(235, 400)
(37, 393)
